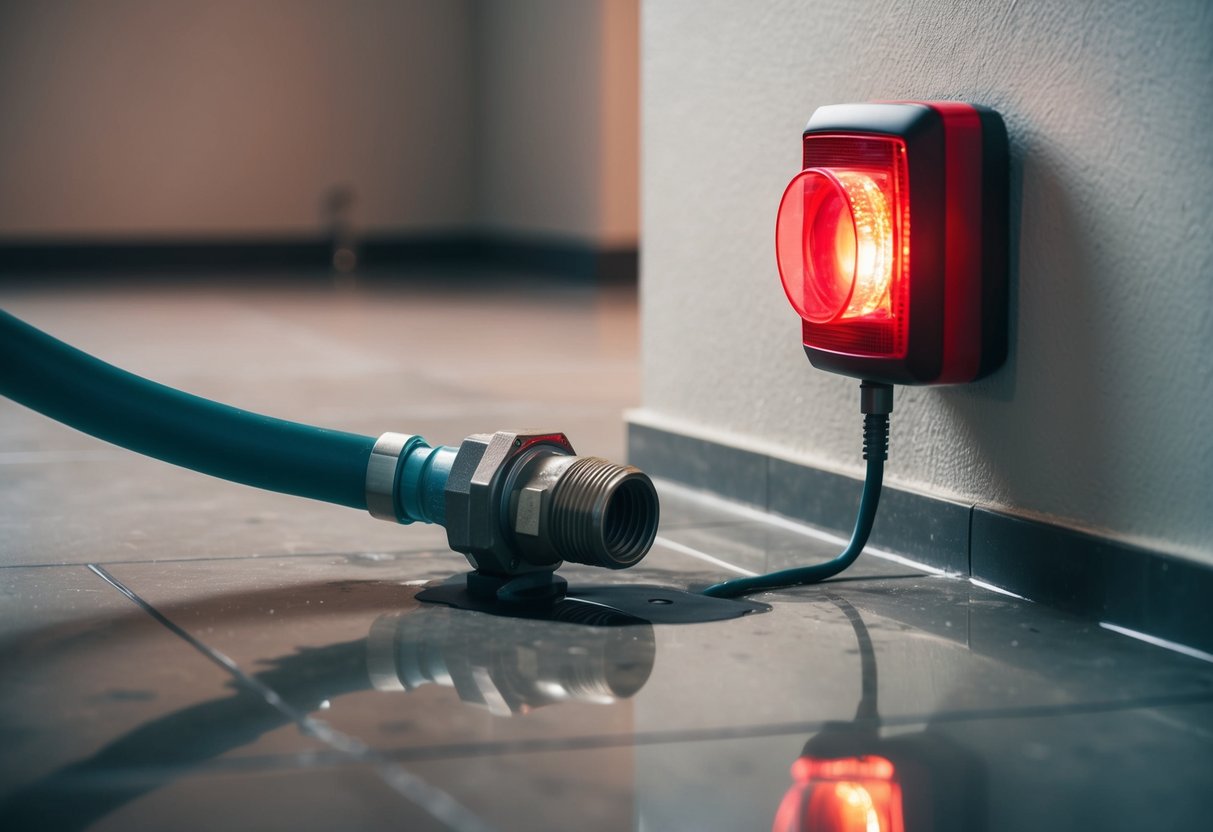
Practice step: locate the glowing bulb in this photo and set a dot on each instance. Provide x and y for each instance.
(859, 810)
(873, 243)
(847, 794)
(834, 244)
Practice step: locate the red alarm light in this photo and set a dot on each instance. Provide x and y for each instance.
(852, 794)
(891, 242)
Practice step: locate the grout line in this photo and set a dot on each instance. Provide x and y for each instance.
(224, 558)
(685, 735)
(214, 655)
(910, 562)
(1147, 705)
(430, 798)
(704, 556)
(768, 463)
(969, 541)
(679, 525)
(1173, 646)
(998, 589)
(56, 457)
(1178, 725)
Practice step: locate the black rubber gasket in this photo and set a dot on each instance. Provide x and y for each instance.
(607, 605)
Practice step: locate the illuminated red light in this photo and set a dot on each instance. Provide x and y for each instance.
(837, 245)
(854, 794)
(864, 768)
(891, 241)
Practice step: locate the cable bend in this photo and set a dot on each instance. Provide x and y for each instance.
(876, 403)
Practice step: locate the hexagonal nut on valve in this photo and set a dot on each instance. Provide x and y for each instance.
(474, 498)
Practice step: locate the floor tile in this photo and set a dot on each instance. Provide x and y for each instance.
(683, 507)
(942, 646)
(761, 547)
(346, 639)
(99, 510)
(91, 683)
(1124, 768)
(328, 798)
(282, 674)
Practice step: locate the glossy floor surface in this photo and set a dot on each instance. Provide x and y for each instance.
(182, 653)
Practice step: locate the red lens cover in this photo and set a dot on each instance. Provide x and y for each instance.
(842, 244)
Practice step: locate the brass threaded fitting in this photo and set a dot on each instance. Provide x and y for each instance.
(603, 513)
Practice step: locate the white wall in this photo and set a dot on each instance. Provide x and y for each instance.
(557, 118)
(143, 118)
(1103, 416)
(138, 118)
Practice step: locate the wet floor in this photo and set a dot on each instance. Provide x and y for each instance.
(177, 652)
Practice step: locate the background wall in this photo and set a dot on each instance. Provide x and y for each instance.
(144, 118)
(1101, 418)
(558, 110)
(137, 119)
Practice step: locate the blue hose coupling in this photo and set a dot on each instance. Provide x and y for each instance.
(406, 479)
(516, 502)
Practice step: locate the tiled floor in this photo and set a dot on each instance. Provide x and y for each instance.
(180, 653)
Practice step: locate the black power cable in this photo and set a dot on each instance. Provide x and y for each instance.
(876, 403)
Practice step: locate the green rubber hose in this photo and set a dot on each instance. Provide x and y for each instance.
(100, 399)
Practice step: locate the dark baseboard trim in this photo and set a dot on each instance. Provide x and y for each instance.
(1150, 592)
(104, 258)
(98, 259)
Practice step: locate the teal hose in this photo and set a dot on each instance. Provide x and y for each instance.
(100, 399)
(601, 514)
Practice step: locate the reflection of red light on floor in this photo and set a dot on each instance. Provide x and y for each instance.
(854, 794)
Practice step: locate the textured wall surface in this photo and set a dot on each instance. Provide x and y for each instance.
(540, 153)
(557, 108)
(134, 117)
(141, 118)
(1103, 416)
